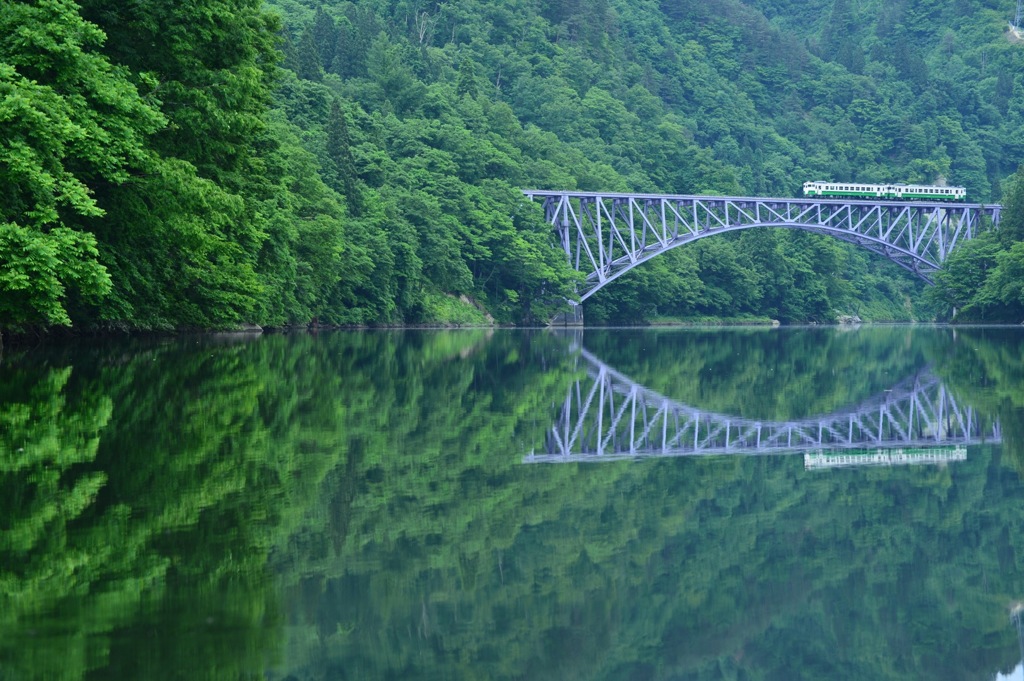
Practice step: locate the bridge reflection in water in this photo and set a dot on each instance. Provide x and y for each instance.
(607, 416)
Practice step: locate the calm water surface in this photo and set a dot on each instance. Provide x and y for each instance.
(621, 505)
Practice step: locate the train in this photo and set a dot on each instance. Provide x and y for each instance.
(852, 190)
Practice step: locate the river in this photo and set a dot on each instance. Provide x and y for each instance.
(621, 504)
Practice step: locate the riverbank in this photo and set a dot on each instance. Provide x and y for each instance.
(713, 321)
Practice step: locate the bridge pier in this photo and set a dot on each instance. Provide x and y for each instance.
(571, 315)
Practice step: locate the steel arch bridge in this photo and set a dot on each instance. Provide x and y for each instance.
(606, 235)
(607, 416)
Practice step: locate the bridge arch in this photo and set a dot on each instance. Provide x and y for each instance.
(605, 235)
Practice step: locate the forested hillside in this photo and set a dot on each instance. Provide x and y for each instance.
(225, 162)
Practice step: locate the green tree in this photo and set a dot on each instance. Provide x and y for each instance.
(1011, 226)
(185, 236)
(310, 66)
(339, 156)
(325, 36)
(209, 64)
(963, 275)
(356, 31)
(980, 280)
(466, 84)
(70, 124)
(397, 84)
(1006, 284)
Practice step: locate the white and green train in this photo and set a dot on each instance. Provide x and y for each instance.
(915, 192)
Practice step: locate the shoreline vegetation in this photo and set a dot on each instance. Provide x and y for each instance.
(23, 339)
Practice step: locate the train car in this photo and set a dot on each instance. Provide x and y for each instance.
(853, 190)
(928, 192)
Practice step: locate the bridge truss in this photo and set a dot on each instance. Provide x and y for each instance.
(606, 235)
(608, 416)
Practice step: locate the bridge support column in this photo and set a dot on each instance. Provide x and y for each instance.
(571, 315)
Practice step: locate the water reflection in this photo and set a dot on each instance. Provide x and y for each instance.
(354, 505)
(606, 416)
(130, 511)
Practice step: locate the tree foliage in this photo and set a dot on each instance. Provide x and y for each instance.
(69, 121)
(981, 281)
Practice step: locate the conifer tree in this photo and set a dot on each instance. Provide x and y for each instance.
(289, 54)
(466, 84)
(310, 66)
(339, 154)
(325, 36)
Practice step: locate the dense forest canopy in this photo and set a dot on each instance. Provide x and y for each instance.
(293, 162)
